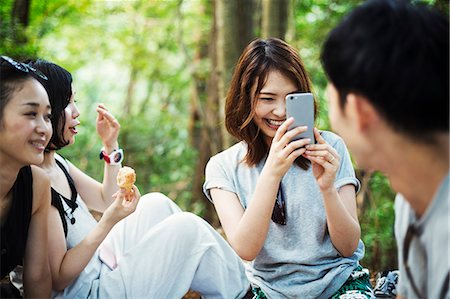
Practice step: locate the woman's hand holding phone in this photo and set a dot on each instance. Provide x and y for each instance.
(325, 161)
(283, 151)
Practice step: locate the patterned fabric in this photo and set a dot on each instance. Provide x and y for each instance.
(357, 286)
(258, 293)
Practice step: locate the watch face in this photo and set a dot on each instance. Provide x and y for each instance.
(118, 157)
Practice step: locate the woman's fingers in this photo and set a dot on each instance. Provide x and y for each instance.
(102, 106)
(296, 145)
(105, 114)
(321, 161)
(283, 129)
(318, 137)
(136, 193)
(131, 197)
(289, 136)
(325, 154)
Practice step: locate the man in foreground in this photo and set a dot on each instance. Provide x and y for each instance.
(388, 68)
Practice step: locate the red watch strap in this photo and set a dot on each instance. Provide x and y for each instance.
(105, 157)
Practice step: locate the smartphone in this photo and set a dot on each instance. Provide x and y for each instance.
(300, 106)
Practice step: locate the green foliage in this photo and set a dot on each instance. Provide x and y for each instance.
(377, 226)
(131, 59)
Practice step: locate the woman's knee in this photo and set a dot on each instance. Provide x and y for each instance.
(188, 225)
(156, 201)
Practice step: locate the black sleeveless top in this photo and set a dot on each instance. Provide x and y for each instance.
(14, 231)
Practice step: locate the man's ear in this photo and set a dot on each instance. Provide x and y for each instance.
(362, 113)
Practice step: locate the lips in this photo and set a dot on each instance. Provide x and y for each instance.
(38, 144)
(73, 129)
(273, 123)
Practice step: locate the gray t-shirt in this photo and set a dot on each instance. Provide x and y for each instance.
(429, 249)
(297, 260)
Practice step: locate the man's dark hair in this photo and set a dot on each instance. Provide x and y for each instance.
(396, 54)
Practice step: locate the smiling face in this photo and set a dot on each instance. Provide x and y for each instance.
(270, 109)
(26, 127)
(71, 114)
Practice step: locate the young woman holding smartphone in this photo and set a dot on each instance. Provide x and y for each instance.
(287, 206)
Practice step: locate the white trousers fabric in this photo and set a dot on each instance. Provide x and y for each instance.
(163, 252)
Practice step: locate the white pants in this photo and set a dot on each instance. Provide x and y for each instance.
(162, 252)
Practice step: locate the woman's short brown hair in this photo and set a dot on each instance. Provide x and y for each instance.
(258, 59)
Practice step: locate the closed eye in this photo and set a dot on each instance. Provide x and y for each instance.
(31, 114)
(266, 99)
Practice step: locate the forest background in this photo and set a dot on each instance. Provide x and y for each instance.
(162, 67)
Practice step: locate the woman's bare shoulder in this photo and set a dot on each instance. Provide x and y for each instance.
(41, 188)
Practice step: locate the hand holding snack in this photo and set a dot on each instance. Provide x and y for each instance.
(126, 178)
(124, 204)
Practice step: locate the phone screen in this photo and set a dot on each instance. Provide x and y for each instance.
(300, 106)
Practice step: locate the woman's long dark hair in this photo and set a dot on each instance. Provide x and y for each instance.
(59, 90)
(258, 59)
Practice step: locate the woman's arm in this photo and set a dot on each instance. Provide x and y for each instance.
(342, 220)
(340, 206)
(96, 195)
(65, 264)
(36, 275)
(247, 230)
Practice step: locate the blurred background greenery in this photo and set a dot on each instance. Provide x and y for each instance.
(162, 67)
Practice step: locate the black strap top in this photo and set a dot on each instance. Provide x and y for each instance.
(14, 231)
(57, 202)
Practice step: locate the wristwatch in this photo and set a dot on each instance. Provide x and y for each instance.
(115, 158)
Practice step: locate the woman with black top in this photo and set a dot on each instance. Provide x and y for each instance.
(25, 130)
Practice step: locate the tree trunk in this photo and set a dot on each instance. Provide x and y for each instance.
(20, 12)
(130, 92)
(204, 134)
(275, 18)
(20, 20)
(232, 29)
(235, 28)
(362, 198)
